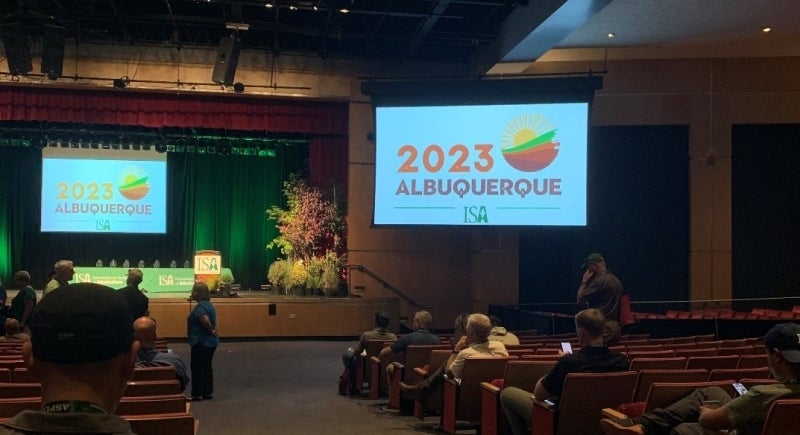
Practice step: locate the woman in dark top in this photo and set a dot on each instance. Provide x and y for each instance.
(201, 326)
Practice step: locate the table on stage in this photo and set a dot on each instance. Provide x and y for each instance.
(155, 280)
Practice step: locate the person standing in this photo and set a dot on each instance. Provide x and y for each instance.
(201, 326)
(63, 272)
(23, 303)
(138, 302)
(601, 290)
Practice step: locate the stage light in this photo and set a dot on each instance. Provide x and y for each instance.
(121, 83)
(238, 87)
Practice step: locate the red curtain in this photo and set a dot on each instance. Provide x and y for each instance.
(324, 122)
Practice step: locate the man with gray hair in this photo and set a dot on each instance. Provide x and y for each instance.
(63, 272)
(421, 335)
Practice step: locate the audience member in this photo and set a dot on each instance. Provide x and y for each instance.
(136, 299)
(744, 414)
(593, 357)
(459, 328)
(476, 344)
(379, 333)
(421, 335)
(144, 331)
(202, 332)
(23, 303)
(602, 290)
(63, 273)
(14, 331)
(499, 333)
(83, 351)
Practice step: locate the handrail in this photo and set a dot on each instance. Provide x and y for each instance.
(385, 285)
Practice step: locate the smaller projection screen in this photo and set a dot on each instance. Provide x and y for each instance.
(489, 164)
(103, 191)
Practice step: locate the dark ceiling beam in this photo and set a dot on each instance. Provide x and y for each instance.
(422, 32)
(530, 31)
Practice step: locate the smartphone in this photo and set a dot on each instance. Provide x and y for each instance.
(740, 388)
(566, 347)
(712, 404)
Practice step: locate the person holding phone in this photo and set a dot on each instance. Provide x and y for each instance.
(602, 290)
(710, 409)
(593, 357)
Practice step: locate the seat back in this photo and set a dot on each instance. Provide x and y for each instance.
(741, 350)
(752, 361)
(155, 373)
(674, 363)
(19, 389)
(647, 378)
(782, 417)
(586, 394)
(175, 403)
(10, 407)
(476, 370)
(152, 388)
(158, 424)
(738, 374)
(22, 374)
(418, 356)
(711, 351)
(712, 362)
(650, 354)
(525, 373)
(662, 394)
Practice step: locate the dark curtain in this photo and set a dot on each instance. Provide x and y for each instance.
(765, 186)
(19, 172)
(637, 214)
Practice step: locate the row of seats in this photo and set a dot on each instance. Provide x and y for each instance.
(23, 375)
(713, 313)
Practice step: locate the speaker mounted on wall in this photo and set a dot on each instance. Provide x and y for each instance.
(226, 61)
(53, 51)
(18, 53)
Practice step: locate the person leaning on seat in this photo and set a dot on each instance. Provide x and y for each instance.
(745, 414)
(593, 357)
(83, 351)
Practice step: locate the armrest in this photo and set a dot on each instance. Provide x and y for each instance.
(490, 388)
(448, 417)
(420, 372)
(491, 411)
(544, 417)
(394, 385)
(613, 414)
(374, 377)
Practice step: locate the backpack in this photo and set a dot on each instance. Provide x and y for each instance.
(345, 383)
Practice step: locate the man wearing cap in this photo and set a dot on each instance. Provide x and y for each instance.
(602, 290)
(82, 349)
(144, 331)
(745, 413)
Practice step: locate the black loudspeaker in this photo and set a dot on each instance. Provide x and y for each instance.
(18, 54)
(227, 58)
(53, 51)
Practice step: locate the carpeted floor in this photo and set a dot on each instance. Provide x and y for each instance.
(290, 387)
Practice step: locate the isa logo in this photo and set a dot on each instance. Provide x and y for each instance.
(166, 280)
(83, 277)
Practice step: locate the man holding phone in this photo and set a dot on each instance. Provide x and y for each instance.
(602, 290)
(712, 409)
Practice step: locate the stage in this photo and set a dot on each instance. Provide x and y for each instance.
(261, 314)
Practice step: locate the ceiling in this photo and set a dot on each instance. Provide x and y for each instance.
(479, 33)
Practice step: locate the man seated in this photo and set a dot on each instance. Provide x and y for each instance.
(593, 357)
(138, 302)
(14, 331)
(144, 331)
(83, 351)
(379, 333)
(501, 334)
(476, 344)
(694, 414)
(421, 336)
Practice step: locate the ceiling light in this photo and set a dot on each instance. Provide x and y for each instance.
(344, 10)
(292, 8)
(611, 35)
(269, 5)
(766, 29)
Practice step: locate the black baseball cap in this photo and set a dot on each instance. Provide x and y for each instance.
(592, 258)
(785, 337)
(81, 323)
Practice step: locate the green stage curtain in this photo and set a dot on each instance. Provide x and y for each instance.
(19, 169)
(224, 206)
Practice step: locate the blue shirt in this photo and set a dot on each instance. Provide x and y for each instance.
(195, 331)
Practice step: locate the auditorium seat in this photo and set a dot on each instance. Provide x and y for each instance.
(674, 363)
(10, 407)
(521, 374)
(5, 375)
(416, 356)
(152, 388)
(159, 404)
(752, 361)
(739, 374)
(160, 424)
(16, 390)
(462, 398)
(664, 394)
(647, 377)
(691, 353)
(433, 402)
(577, 411)
(651, 354)
(158, 373)
(22, 374)
(712, 362)
(743, 350)
(782, 417)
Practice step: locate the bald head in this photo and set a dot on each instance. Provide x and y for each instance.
(144, 331)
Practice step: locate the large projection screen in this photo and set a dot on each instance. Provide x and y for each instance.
(103, 191)
(486, 164)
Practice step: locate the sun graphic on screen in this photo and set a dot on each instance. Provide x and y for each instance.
(132, 183)
(528, 142)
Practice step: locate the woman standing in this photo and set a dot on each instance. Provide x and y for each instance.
(201, 328)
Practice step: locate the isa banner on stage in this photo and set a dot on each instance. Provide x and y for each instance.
(512, 164)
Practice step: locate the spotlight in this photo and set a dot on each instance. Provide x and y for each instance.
(121, 83)
(238, 87)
